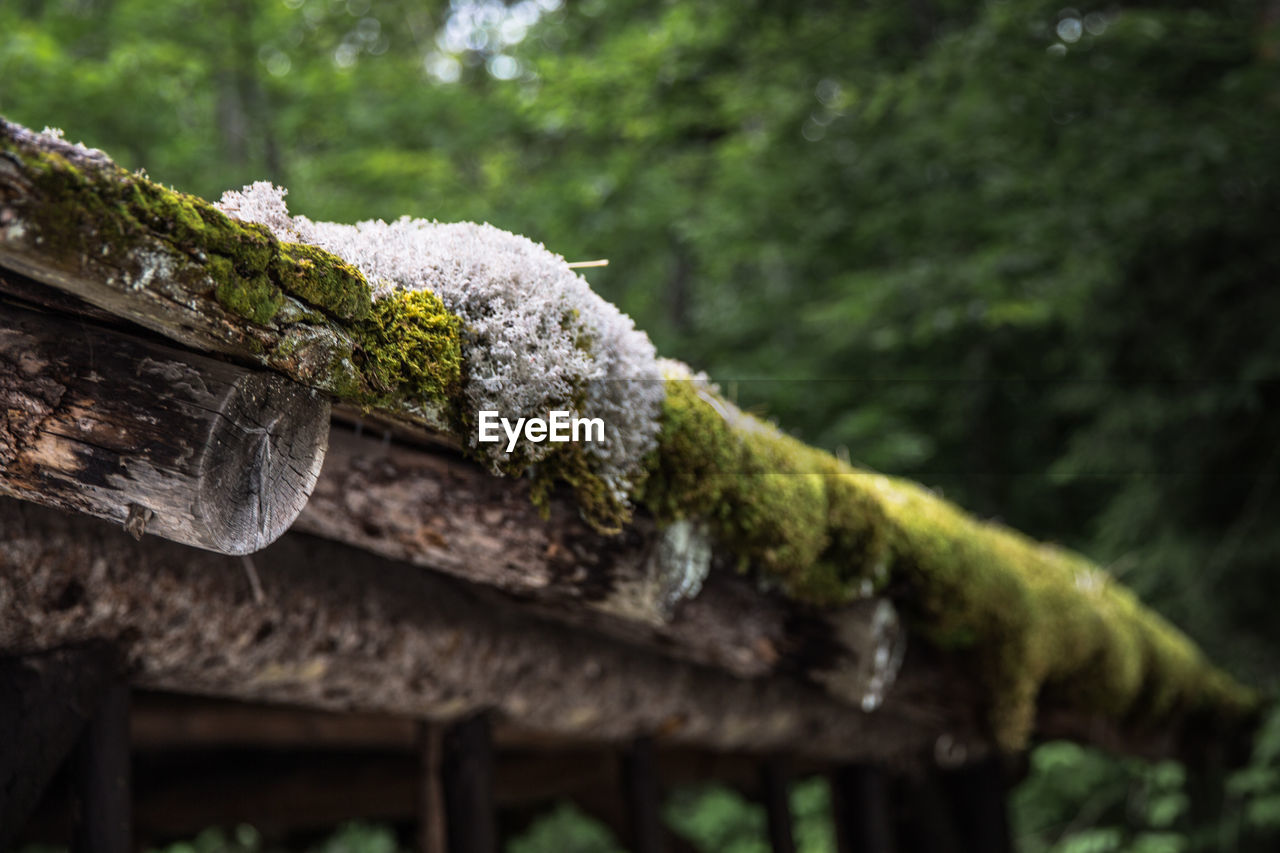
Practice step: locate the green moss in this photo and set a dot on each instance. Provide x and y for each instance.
(106, 211)
(255, 299)
(323, 280)
(402, 354)
(1031, 619)
(410, 349)
(781, 506)
(572, 465)
(691, 472)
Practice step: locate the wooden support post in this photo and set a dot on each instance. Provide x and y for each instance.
(156, 439)
(432, 828)
(102, 797)
(45, 700)
(979, 795)
(925, 823)
(643, 797)
(776, 794)
(467, 770)
(860, 804)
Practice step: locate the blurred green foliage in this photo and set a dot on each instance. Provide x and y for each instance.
(1025, 254)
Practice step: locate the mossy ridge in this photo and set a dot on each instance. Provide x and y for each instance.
(1030, 617)
(410, 348)
(402, 352)
(251, 270)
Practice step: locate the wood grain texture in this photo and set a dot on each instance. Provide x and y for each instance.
(153, 438)
(437, 510)
(133, 270)
(343, 630)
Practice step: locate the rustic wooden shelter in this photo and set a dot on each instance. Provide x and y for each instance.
(250, 571)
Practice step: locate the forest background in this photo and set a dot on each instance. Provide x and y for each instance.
(1026, 254)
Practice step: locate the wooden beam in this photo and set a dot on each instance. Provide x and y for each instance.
(152, 438)
(437, 510)
(167, 722)
(102, 795)
(432, 823)
(466, 768)
(340, 629)
(48, 697)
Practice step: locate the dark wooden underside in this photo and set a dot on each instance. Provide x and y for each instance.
(331, 627)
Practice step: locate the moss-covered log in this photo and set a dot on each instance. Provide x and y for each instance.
(172, 263)
(646, 586)
(1039, 626)
(1041, 631)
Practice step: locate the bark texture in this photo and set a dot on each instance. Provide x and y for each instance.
(340, 629)
(436, 510)
(153, 438)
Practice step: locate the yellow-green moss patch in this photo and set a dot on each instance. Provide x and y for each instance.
(1029, 617)
(410, 348)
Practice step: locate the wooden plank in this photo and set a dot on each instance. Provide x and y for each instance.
(46, 699)
(466, 767)
(153, 438)
(102, 795)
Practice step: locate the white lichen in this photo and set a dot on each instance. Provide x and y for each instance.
(538, 338)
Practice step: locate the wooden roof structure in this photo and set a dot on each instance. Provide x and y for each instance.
(310, 534)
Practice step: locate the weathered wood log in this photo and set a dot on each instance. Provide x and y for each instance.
(129, 265)
(436, 510)
(76, 222)
(153, 438)
(45, 700)
(340, 629)
(102, 794)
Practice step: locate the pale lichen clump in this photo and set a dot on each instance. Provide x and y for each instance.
(536, 337)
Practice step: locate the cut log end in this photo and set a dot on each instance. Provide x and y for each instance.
(161, 441)
(261, 462)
